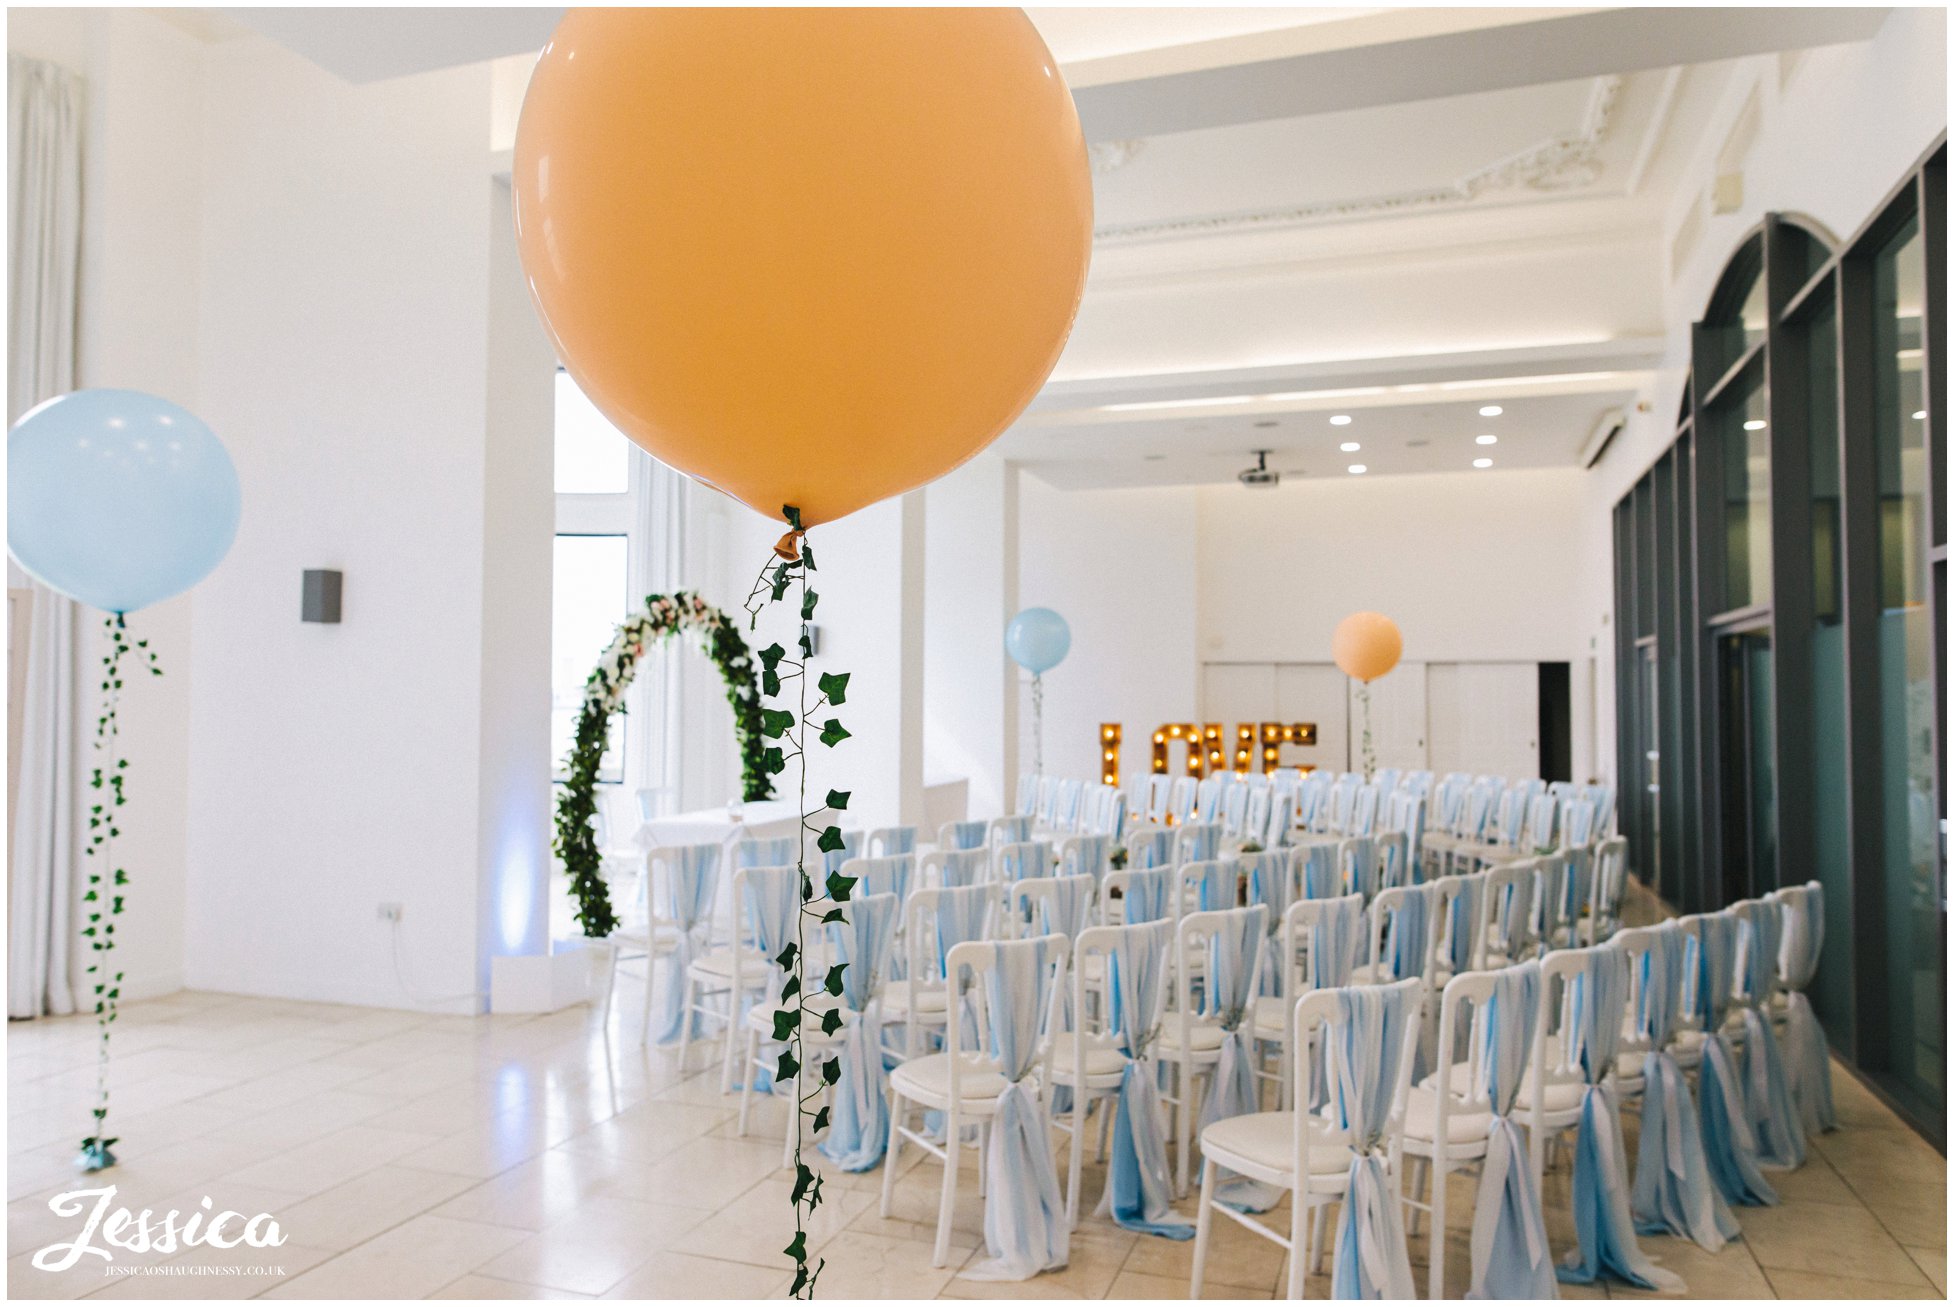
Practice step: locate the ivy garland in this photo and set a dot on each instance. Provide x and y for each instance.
(576, 808)
(103, 900)
(789, 570)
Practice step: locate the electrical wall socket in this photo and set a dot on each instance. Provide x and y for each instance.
(391, 911)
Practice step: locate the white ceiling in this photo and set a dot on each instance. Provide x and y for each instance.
(1465, 206)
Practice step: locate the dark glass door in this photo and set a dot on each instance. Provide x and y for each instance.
(1749, 771)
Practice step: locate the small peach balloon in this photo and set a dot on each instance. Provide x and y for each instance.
(1366, 645)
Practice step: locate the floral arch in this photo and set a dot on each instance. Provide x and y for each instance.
(576, 808)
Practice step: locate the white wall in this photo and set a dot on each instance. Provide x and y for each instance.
(972, 585)
(343, 354)
(1120, 567)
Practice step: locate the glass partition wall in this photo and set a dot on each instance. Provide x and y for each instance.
(1781, 660)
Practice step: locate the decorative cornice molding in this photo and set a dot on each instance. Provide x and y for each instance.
(1567, 162)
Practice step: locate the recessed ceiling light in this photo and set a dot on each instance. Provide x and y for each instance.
(1482, 462)
(1486, 440)
(1755, 424)
(1340, 420)
(1416, 444)
(1268, 422)
(1920, 416)
(1491, 411)
(1358, 469)
(1154, 458)
(1350, 446)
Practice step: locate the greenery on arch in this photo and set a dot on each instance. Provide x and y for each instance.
(576, 807)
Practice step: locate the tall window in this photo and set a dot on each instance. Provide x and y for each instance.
(597, 547)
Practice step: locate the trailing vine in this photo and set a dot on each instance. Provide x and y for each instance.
(104, 897)
(789, 569)
(576, 807)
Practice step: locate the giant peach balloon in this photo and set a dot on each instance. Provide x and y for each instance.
(1366, 645)
(809, 256)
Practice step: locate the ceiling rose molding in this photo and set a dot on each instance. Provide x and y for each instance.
(1570, 161)
(1106, 156)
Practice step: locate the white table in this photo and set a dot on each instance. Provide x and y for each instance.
(763, 819)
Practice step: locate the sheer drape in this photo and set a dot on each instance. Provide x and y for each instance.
(44, 210)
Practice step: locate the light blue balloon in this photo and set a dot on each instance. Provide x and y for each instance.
(1038, 640)
(117, 498)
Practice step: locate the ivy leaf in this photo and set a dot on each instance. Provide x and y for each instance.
(807, 556)
(790, 989)
(775, 723)
(830, 1022)
(786, 956)
(830, 842)
(833, 984)
(833, 732)
(808, 601)
(787, 1068)
(834, 914)
(797, 1249)
(770, 682)
(838, 800)
(784, 1023)
(839, 888)
(803, 1181)
(773, 762)
(800, 1281)
(793, 516)
(772, 654)
(820, 1121)
(835, 686)
(831, 1070)
(807, 642)
(779, 583)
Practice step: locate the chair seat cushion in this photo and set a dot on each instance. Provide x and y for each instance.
(1562, 1095)
(1461, 1127)
(1267, 1141)
(1270, 1016)
(1203, 1036)
(927, 1079)
(931, 1001)
(1101, 1064)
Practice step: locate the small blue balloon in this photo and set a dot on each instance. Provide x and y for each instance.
(1038, 640)
(117, 498)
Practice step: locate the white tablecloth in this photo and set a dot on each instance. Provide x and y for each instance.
(764, 819)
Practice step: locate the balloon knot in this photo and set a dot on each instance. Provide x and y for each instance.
(788, 548)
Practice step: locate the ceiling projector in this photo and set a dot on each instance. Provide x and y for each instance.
(1261, 474)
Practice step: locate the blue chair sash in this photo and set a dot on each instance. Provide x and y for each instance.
(1410, 933)
(775, 851)
(1597, 1002)
(1767, 1089)
(1014, 829)
(967, 835)
(1025, 1228)
(693, 885)
(1673, 1191)
(1150, 849)
(1360, 870)
(1087, 855)
(1067, 907)
(886, 875)
(1461, 941)
(1729, 1143)
(1365, 1052)
(1321, 877)
(773, 898)
(1146, 895)
(858, 1126)
(1214, 885)
(1026, 860)
(1806, 1059)
(1510, 1258)
(962, 867)
(1137, 1186)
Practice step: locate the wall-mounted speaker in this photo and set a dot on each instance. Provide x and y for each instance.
(319, 601)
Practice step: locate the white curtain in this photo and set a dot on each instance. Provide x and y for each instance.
(44, 208)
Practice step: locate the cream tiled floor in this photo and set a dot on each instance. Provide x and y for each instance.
(527, 1157)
